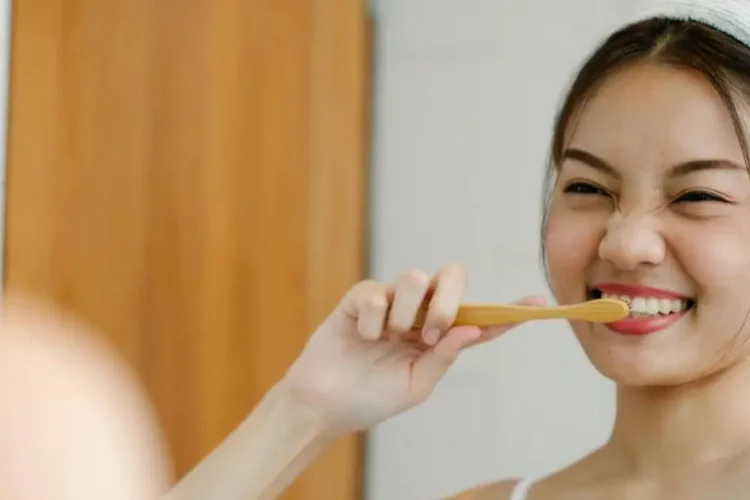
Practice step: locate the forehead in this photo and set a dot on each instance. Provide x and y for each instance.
(654, 115)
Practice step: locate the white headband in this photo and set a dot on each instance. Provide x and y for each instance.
(730, 16)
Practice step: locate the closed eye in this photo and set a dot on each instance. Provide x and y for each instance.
(699, 196)
(585, 188)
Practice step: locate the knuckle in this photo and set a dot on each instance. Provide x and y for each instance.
(359, 296)
(367, 331)
(442, 317)
(367, 286)
(367, 289)
(459, 276)
(414, 277)
(443, 309)
(457, 268)
(356, 292)
(376, 303)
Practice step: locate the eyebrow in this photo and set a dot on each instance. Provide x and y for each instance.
(679, 170)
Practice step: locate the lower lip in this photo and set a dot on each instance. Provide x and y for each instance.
(644, 326)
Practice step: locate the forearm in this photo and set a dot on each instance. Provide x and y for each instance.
(261, 457)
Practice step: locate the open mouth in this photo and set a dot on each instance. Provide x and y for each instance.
(645, 305)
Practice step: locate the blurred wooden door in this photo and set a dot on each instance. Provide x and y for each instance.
(189, 177)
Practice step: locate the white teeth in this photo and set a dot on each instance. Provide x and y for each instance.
(665, 306)
(638, 305)
(649, 306)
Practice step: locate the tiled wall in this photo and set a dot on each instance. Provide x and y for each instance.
(466, 91)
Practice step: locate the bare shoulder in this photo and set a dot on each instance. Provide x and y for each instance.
(494, 491)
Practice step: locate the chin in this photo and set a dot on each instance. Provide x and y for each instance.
(641, 376)
(640, 361)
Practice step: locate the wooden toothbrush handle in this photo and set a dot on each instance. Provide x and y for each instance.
(488, 315)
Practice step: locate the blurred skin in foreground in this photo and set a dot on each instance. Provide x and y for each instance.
(74, 423)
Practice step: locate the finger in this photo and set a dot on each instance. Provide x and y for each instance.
(410, 291)
(493, 332)
(367, 305)
(372, 315)
(433, 364)
(443, 306)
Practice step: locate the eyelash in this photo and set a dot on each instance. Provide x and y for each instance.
(696, 196)
(585, 188)
(699, 197)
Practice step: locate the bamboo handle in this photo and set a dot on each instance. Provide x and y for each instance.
(593, 311)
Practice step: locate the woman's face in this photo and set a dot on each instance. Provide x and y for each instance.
(652, 203)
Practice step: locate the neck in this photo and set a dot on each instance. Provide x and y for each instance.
(671, 429)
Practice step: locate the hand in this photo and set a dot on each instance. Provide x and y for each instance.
(366, 362)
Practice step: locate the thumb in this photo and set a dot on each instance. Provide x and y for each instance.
(433, 364)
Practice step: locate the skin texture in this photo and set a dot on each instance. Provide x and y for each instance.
(682, 427)
(76, 424)
(646, 231)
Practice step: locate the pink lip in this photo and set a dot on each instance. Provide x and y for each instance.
(641, 326)
(644, 326)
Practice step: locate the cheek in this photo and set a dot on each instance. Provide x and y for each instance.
(717, 258)
(572, 241)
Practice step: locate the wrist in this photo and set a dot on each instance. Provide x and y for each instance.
(262, 456)
(289, 407)
(309, 409)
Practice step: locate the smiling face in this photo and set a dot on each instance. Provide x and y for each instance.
(652, 191)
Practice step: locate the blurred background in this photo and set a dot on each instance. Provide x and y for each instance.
(201, 180)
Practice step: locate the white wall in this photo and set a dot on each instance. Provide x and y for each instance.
(466, 92)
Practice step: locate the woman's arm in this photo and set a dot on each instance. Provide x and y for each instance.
(364, 364)
(80, 421)
(269, 450)
(271, 447)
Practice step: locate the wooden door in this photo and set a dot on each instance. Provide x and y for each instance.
(189, 177)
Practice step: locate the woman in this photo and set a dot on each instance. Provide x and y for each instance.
(649, 199)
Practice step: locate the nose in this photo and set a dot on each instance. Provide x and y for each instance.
(631, 241)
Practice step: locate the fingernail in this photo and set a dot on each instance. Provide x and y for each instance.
(431, 336)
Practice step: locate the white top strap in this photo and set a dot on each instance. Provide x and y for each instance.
(521, 490)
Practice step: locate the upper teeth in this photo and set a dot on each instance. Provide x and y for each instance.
(648, 305)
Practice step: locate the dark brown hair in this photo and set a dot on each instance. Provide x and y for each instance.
(720, 58)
